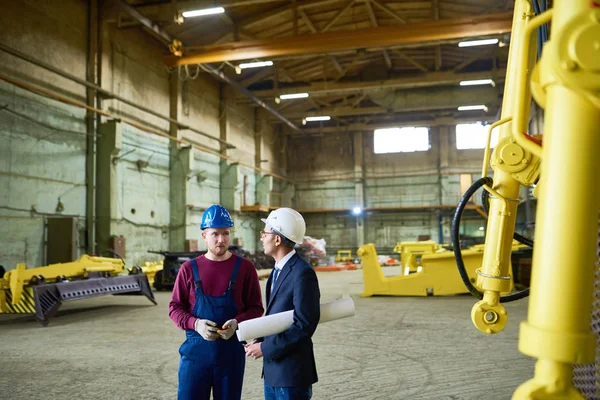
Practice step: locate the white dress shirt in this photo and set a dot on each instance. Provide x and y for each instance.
(279, 265)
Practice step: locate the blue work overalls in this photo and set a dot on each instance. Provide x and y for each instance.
(217, 364)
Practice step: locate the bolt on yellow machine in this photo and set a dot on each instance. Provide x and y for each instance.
(566, 83)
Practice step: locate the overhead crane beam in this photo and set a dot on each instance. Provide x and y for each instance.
(388, 36)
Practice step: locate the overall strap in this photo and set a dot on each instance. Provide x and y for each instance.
(196, 271)
(236, 268)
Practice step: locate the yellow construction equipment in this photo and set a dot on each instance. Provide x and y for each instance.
(410, 254)
(344, 256)
(150, 268)
(566, 83)
(42, 290)
(437, 275)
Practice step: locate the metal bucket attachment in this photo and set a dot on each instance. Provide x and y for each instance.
(49, 296)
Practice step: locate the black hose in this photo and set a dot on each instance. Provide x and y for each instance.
(456, 234)
(456, 243)
(539, 31)
(114, 253)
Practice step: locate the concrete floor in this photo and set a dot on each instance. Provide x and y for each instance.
(395, 348)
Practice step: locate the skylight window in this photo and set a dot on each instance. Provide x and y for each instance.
(401, 140)
(474, 136)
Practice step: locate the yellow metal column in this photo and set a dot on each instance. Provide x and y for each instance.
(557, 331)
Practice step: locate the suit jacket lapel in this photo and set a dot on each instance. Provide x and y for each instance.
(287, 268)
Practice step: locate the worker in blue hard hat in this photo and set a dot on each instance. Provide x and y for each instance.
(213, 293)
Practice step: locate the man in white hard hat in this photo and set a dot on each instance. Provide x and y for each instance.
(289, 368)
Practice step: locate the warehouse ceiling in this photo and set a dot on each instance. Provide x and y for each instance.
(364, 63)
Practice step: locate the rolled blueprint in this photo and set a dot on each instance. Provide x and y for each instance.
(277, 323)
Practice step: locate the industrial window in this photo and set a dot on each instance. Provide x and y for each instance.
(474, 136)
(401, 140)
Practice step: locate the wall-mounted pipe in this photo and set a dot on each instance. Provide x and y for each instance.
(55, 96)
(105, 93)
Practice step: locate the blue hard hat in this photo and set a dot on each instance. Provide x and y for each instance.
(216, 216)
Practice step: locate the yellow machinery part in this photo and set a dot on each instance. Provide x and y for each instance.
(514, 164)
(411, 251)
(438, 276)
(344, 256)
(24, 305)
(150, 268)
(20, 277)
(42, 291)
(557, 331)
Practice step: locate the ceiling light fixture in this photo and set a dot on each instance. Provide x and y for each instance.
(205, 11)
(256, 64)
(293, 96)
(477, 82)
(470, 108)
(482, 42)
(320, 118)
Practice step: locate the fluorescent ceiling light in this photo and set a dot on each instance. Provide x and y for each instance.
(482, 42)
(293, 96)
(256, 64)
(477, 82)
(206, 11)
(321, 118)
(469, 108)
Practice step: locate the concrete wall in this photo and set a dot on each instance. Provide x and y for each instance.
(43, 160)
(398, 186)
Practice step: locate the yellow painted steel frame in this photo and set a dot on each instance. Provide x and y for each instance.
(16, 279)
(438, 275)
(409, 252)
(344, 255)
(150, 268)
(557, 331)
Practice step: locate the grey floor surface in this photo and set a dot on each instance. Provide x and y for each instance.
(121, 347)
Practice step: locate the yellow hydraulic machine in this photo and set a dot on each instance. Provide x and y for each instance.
(150, 269)
(436, 277)
(344, 256)
(566, 83)
(42, 290)
(410, 254)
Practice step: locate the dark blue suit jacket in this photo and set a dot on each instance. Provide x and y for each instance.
(289, 360)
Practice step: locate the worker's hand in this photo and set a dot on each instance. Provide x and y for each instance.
(207, 329)
(253, 350)
(228, 329)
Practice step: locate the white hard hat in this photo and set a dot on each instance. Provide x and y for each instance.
(287, 222)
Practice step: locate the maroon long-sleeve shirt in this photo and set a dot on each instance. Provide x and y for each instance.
(215, 279)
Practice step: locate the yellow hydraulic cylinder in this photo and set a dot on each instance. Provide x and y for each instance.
(557, 331)
(488, 315)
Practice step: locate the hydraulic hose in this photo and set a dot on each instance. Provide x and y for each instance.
(456, 243)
